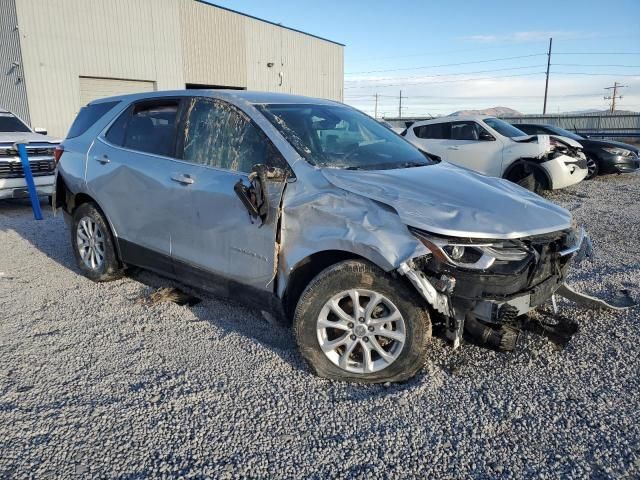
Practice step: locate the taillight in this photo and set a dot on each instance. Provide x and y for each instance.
(57, 153)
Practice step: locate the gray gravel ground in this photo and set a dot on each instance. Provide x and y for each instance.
(93, 384)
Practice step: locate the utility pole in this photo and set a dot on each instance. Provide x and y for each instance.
(400, 106)
(546, 83)
(375, 110)
(615, 95)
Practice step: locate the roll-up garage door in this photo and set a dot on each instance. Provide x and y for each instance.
(94, 87)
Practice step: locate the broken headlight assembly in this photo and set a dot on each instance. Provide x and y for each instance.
(471, 255)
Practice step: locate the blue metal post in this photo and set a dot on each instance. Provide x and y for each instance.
(28, 176)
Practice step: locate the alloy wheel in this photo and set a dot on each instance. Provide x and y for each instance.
(91, 243)
(361, 331)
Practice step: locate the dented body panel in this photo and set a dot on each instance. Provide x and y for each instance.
(192, 216)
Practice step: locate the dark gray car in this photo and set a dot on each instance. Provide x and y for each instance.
(315, 212)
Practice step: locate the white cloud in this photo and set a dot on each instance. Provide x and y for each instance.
(528, 36)
(525, 94)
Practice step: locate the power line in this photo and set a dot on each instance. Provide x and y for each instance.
(592, 65)
(446, 81)
(590, 74)
(444, 74)
(597, 53)
(448, 64)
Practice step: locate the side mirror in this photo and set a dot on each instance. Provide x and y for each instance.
(486, 137)
(40, 130)
(254, 196)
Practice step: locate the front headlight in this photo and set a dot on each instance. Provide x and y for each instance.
(617, 151)
(475, 256)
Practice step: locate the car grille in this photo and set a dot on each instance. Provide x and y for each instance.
(38, 168)
(40, 159)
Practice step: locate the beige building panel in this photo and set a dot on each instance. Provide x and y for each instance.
(303, 64)
(68, 39)
(213, 45)
(168, 42)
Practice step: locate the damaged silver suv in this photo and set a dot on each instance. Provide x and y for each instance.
(314, 212)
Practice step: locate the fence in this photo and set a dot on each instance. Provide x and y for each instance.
(619, 125)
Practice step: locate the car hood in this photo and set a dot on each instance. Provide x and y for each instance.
(610, 143)
(449, 200)
(26, 137)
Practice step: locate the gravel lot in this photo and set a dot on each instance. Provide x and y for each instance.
(95, 384)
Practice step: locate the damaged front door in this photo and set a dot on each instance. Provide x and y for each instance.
(220, 147)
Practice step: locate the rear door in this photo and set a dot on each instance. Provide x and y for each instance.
(129, 173)
(470, 145)
(432, 137)
(220, 145)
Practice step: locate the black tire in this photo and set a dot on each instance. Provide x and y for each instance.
(593, 167)
(110, 268)
(352, 274)
(530, 177)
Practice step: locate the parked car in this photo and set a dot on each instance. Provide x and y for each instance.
(603, 156)
(314, 212)
(493, 147)
(40, 149)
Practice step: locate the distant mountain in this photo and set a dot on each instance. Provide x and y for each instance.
(592, 111)
(493, 111)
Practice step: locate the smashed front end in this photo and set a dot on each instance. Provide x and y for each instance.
(481, 287)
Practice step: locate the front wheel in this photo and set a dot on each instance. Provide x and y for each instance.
(592, 168)
(93, 245)
(355, 322)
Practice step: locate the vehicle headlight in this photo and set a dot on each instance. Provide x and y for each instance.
(617, 151)
(475, 256)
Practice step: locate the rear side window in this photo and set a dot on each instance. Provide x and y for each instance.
(147, 127)
(88, 116)
(434, 130)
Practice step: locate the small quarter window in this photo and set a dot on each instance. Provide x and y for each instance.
(88, 116)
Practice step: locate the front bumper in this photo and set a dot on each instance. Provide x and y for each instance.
(17, 187)
(502, 292)
(619, 163)
(565, 171)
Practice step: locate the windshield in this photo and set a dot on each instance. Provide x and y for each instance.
(10, 123)
(340, 137)
(565, 133)
(504, 128)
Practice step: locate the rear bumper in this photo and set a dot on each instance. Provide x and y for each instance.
(17, 187)
(565, 171)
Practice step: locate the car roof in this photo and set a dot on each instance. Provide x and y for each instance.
(453, 118)
(252, 97)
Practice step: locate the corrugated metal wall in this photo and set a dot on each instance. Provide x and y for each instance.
(119, 39)
(213, 45)
(303, 64)
(13, 92)
(168, 42)
(597, 122)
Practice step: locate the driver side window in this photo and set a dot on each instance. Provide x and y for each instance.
(217, 135)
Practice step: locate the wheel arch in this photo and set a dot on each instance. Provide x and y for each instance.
(70, 202)
(306, 269)
(528, 163)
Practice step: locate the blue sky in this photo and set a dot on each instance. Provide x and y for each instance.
(411, 45)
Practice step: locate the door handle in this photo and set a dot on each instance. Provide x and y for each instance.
(184, 179)
(454, 148)
(104, 159)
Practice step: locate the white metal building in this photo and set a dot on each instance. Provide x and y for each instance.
(55, 56)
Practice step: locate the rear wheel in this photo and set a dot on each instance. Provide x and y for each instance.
(93, 245)
(354, 322)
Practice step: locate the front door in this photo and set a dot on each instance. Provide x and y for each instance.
(219, 147)
(470, 145)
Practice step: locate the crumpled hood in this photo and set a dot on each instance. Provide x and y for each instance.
(449, 200)
(29, 137)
